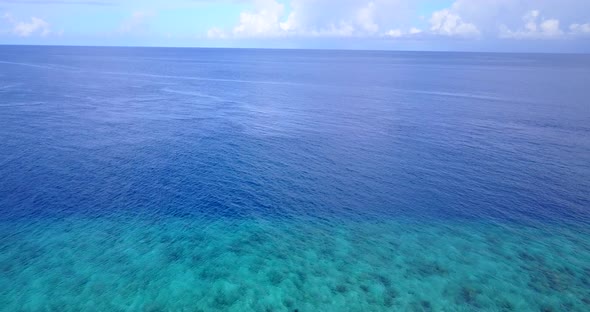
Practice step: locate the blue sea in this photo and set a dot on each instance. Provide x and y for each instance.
(153, 179)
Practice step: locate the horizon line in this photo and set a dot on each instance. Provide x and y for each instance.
(289, 49)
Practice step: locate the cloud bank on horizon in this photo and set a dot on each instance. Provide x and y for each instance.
(534, 25)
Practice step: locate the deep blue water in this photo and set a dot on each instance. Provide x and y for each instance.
(249, 180)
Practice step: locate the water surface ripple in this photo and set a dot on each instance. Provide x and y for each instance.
(142, 179)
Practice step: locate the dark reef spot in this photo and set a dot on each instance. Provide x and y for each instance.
(222, 300)
(301, 277)
(289, 303)
(391, 292)
(388, 301)
(506, 306)
(7, 269)
(566, 271)
(235, 248)
(426, 305)
(384, 280)
(213, 274)
(469, 295)
(275, 277)
(196, 258)
(421, 306)
(530, 257)
(567, 306)
(546, 308)
(165, 239)
(81, 282)
(341, 288)
(327, 252)
(282, 255)
(390, 296)
(174, 255)
(493, 240)
(394, 245)
(430, 268)
(585, 281)
(256, 239)
(544, 279)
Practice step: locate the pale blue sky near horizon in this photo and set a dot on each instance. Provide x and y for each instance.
(437, 25)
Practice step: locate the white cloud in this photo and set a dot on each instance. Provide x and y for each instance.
(550, 27)
(28, 28)
(35, 25)
(321, 18)
(263, 22)
(531, 20)
(216, 33)
(395, 33)
(523, 19)
(414, 31)
(397, 18)
(365, 18)
(535, 27)
(445, 22)
(137, 21)
(357, 18)
(399, 33)
(580, 29)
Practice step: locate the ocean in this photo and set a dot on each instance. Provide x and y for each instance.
(161, 179)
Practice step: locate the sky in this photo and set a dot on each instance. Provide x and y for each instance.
(435, 25)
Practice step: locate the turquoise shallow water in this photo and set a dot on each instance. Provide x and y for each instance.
(195, 264)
